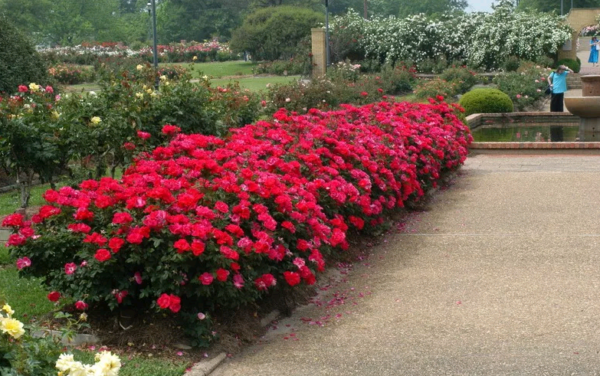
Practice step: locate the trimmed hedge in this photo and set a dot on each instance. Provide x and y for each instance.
(575, 65)
(486, 101)
(19, 61)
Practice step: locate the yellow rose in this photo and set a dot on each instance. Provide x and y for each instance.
(139, 95)
(163, 78)
(149, 91)
(96, 120)
(33, 87)
(55, 115)
(12, 327)
(140, 67)
(6, 308)
(195, 58)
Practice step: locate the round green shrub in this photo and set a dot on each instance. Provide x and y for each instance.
(511, 64)
(575, 65)
(20, 64)
(486, 101)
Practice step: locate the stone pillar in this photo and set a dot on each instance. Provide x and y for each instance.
(569, 49)
(319, 57)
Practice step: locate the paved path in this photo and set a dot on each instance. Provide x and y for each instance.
(500, 276)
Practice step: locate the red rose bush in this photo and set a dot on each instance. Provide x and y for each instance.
(206, 223)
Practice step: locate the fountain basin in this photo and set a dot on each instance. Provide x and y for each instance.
(584, 107)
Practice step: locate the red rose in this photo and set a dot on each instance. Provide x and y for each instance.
(115, 244)
(164, 301)
(197, 247)
(81, 306)
(181, 245)
(206, 279)
(128, 146)
(120, 295)
(222, 274)
(174, 303)
(70, 268)
(102, 255)
(54, 296)
(221, 206)
(170, 130)
(13, 220)
(22, 89)
(291, 278)
(143, 135)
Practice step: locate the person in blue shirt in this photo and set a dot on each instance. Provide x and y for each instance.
(593, 51)
(558, 83)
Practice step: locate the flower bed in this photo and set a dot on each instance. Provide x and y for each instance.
(206, 223)
(88, 53)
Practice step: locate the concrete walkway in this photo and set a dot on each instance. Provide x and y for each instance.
(500, 276)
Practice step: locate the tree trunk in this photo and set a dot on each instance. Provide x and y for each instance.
(25, 182)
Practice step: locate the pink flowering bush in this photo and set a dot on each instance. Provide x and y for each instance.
(206, 223)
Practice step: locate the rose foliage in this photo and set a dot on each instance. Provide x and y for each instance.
(206, 223)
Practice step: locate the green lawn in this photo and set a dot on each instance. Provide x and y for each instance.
(217, 69)
(82, 88)
(254, 83)
(139, 365)
(26, 296)
(4, 256)
(11, 201)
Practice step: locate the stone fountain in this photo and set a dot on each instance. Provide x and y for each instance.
(587, 107)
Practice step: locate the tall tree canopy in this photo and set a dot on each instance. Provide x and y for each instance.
(554, 5)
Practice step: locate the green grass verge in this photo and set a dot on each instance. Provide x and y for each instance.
(26, 296)
(11, 201)
(217, 69)
(254, 83)
(139, 365)
(87, 87)
(4, 256)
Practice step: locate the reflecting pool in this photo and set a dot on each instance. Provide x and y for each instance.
(526, 133)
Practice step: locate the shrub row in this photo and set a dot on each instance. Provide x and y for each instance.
(343, 84)
(206, 223)
(48, 134)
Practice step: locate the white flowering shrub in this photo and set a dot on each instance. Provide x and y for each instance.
(483, 40)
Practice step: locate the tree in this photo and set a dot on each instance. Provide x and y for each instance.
(404, 8)
(274, 33)
(19, 61)
(554, 5)
(198, 19)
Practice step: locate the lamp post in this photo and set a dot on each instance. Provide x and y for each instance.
(152, 9)
(562, 7)
(328, 62)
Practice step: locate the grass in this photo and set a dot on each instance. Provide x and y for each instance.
(4, 256)
(11, 201)
(217, 69)
(254, 83)
(82, 87)
(138, 365)
(27, 296)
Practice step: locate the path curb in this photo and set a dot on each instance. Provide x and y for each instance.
(205, 368)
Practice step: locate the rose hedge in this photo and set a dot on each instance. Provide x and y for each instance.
(207, 223)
